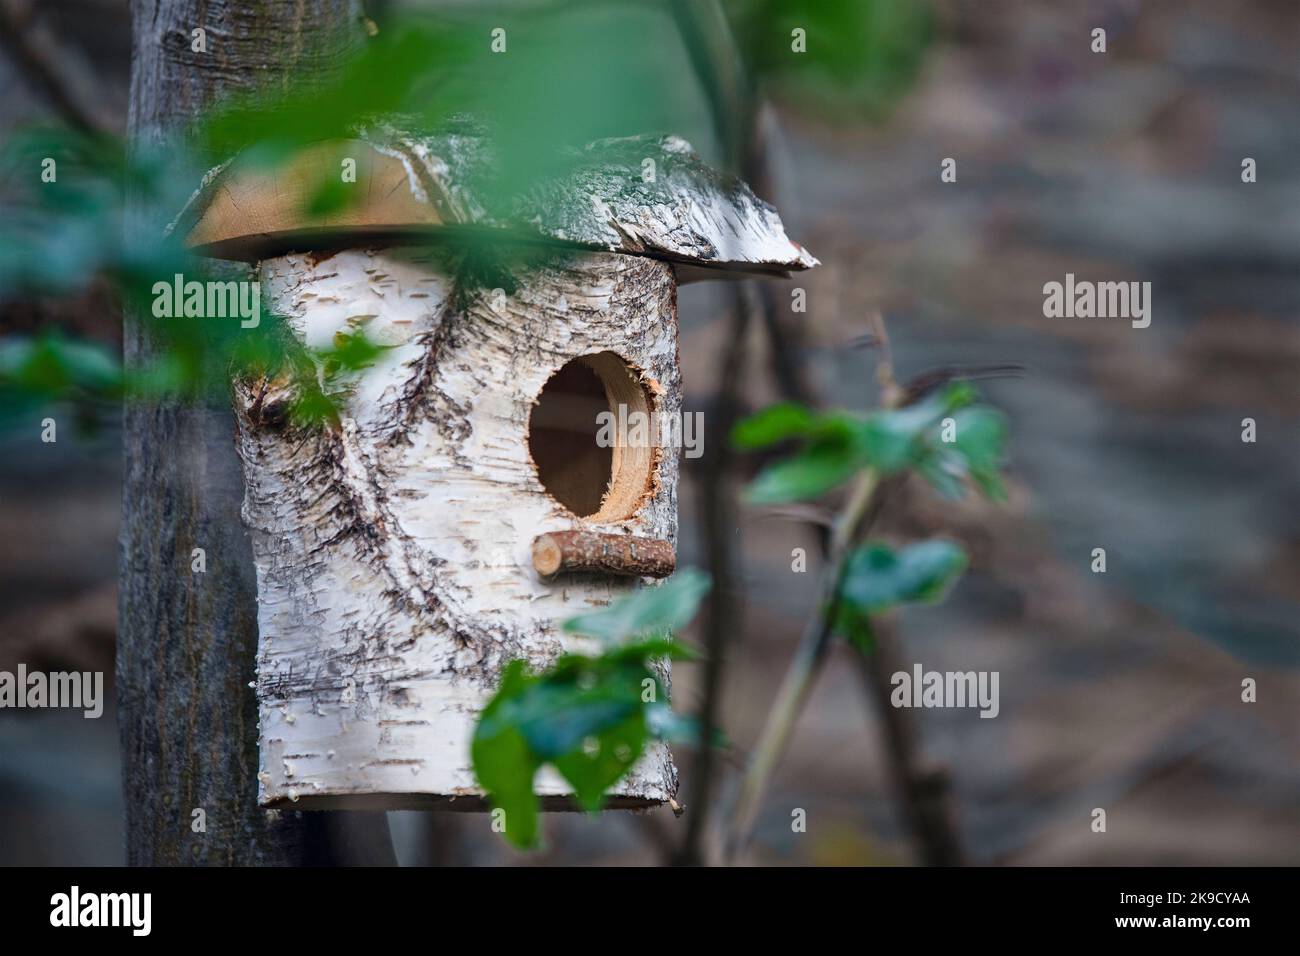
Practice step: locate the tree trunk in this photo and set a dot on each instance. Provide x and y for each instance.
(186, 640)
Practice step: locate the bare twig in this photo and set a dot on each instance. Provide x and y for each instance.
(927, 382)
(811, 654)
(632, 555)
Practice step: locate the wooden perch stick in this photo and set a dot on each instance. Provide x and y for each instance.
(562, 551)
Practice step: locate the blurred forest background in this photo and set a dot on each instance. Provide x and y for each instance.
(1119, 690)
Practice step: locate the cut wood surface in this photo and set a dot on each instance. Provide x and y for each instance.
(255, 207)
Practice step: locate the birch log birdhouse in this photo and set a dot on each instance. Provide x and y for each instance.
(459, 507)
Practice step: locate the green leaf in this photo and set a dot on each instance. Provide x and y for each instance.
(817, 469)
(588, 716)
(976, 453)
(331, 194)
(584, 716)
(855, 626)
(52, 365)
(945, 471)
(774, 424)
(603, 759)
(833, 455)
(840, 445)
(313, 407)
(557, 714)
(504, 763)
(895, 440)
(861, 54)
(876, 577)
(639, 652)
(651, 611)
(351, 352)
(981, 437)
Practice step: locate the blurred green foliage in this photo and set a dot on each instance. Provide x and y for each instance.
(569, 74)
(105, 212)
(836, 445)
(945, 437)
(589, 716)
(878, 578)
(861, 55)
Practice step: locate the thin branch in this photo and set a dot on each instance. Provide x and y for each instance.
(923, 788)
(788, 342)
(723, 611)
(742, 128)
(927, 382)
(717, 65)
(733, 108)
(858, 514)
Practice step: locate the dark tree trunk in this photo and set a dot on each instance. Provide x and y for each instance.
(186, 640)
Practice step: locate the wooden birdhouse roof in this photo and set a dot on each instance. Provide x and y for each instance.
(645, 195)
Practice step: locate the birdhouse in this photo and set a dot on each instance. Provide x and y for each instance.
(461, 505)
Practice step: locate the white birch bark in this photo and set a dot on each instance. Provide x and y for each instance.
(393, 553)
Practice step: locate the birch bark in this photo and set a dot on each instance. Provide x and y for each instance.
(394, 549)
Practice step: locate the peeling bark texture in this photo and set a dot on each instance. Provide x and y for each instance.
(187, 717)
(641, 195)
(634, 556)
(394, 551)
